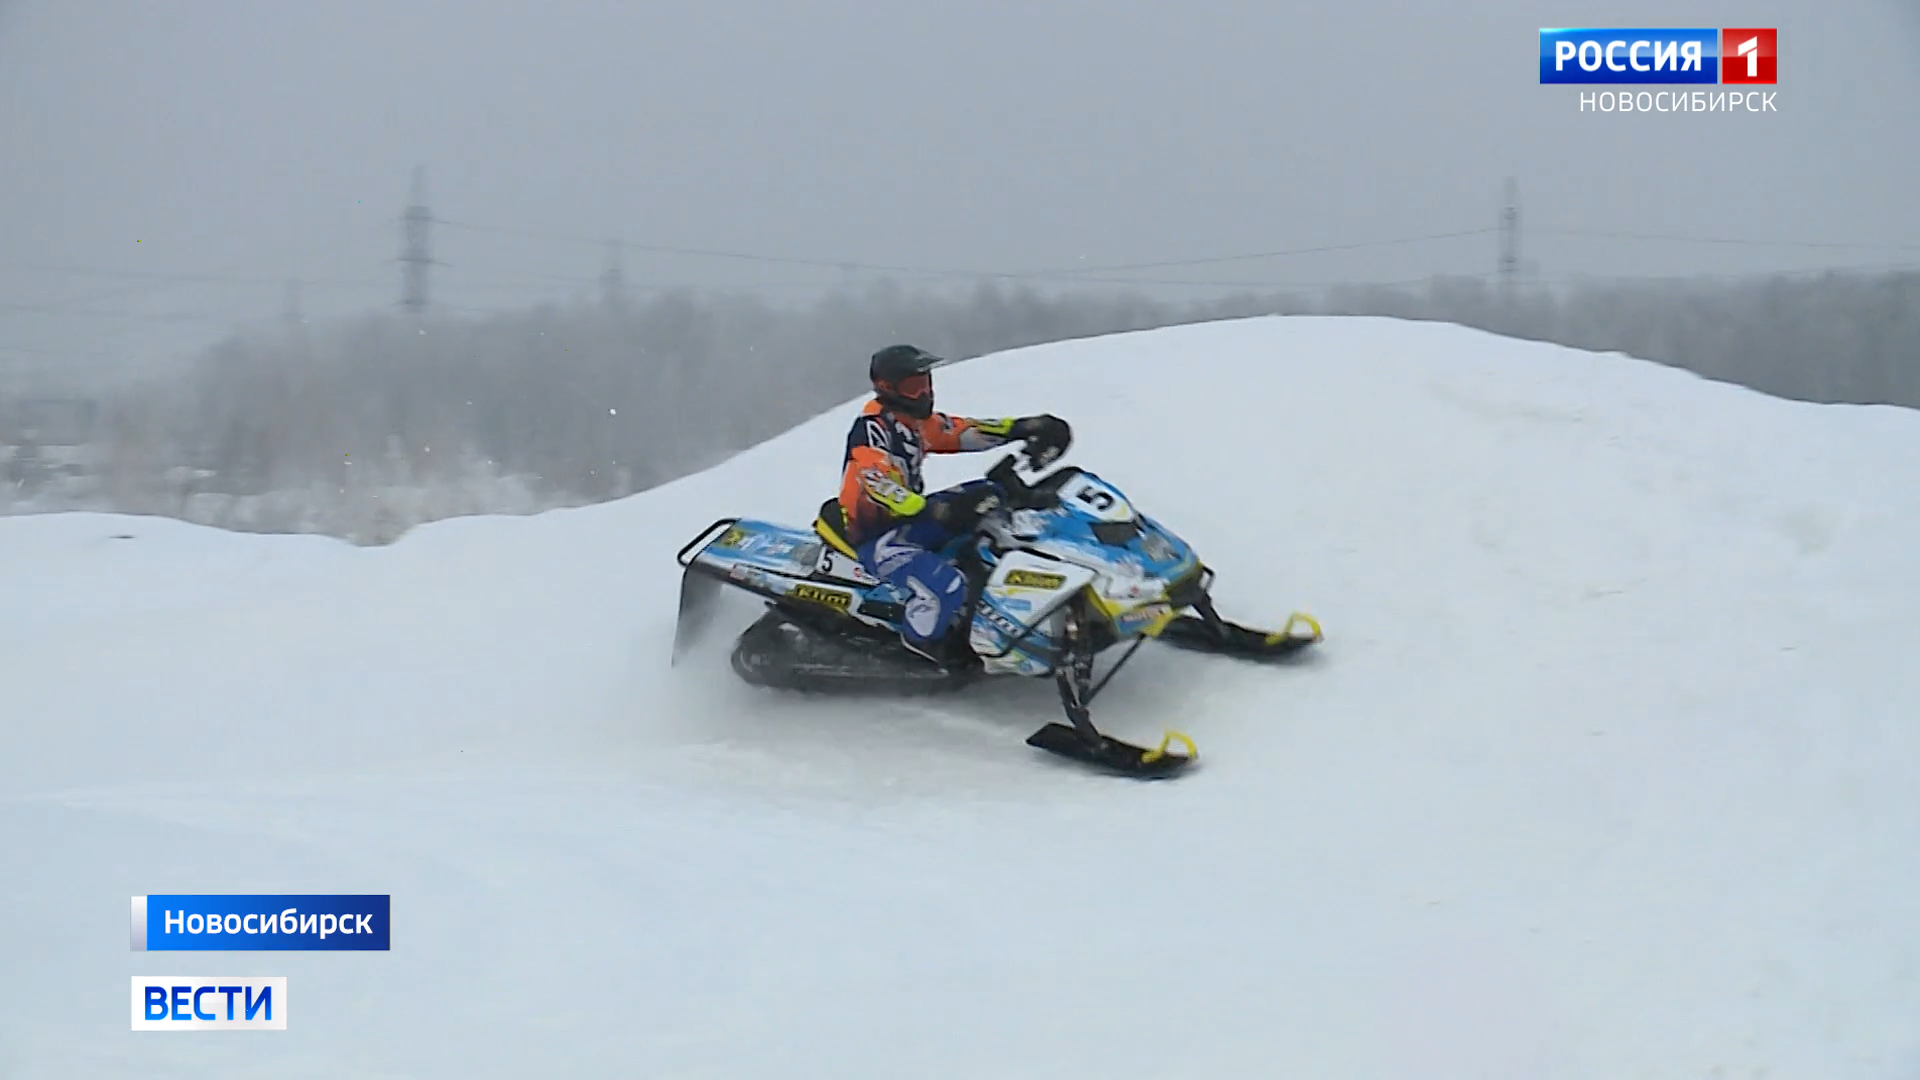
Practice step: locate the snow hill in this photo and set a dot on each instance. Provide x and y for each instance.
(1607, 767)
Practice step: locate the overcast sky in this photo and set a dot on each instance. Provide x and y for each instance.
(265, 139)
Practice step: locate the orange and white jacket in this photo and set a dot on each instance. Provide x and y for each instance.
(880, 475)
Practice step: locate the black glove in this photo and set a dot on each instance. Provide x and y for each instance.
(1047, 437)
(960, 510)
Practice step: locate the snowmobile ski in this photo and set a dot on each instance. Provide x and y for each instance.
(1114, 755)
(1079, 740)
(1209, 633)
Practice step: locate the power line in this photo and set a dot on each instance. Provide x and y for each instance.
(157, 281)
(1059, 273)
(1641, 280)
(1751, 275)
(1250, 256)
(520, 275)
(168, 275)
(1674, 238)
(1207, 284)
(1101, 274)
(138, 316)
(717, 253)
(1094, 274)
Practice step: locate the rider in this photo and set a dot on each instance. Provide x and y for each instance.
(899, 532)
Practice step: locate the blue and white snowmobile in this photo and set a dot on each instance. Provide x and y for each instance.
(1063, 571)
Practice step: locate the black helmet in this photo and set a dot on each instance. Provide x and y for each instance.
(903, 379)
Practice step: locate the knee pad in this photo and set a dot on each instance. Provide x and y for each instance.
(936, 591)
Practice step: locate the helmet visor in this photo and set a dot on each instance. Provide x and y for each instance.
(914, 387)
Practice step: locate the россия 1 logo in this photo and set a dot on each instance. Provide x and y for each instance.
(1669, 57)
(1749, 56)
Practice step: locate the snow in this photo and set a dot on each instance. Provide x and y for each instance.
(1605, 769)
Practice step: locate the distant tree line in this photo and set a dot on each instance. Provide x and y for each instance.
(1829, 338)
(365, 428)
(597, 400)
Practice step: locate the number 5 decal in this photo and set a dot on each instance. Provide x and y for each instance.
(1097, 499)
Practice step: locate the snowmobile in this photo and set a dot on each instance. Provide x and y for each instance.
(1063, 570)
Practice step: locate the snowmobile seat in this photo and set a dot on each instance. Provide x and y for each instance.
(832, 527)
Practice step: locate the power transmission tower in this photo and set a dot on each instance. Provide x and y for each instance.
(613, 279)
(415, 255)
(290, 316)
(1509, 236)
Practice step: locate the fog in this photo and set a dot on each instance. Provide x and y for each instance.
(265, 140)
(203, 200)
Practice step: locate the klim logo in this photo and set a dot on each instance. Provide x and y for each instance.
(202, 923)
(1670, 57)
(209, 1003)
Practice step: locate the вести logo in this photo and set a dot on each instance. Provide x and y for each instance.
(209, 1003)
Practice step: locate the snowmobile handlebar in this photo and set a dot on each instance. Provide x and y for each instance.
(1021, 495)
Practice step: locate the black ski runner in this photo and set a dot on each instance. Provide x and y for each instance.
(1209, 633)
(1113, 755)
(1081, 741)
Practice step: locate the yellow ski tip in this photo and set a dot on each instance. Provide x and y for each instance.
(1298, 618)
(1167, 740)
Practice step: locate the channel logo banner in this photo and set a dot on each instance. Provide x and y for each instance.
(1630, 56)
(209, 1003)
(246, 923)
